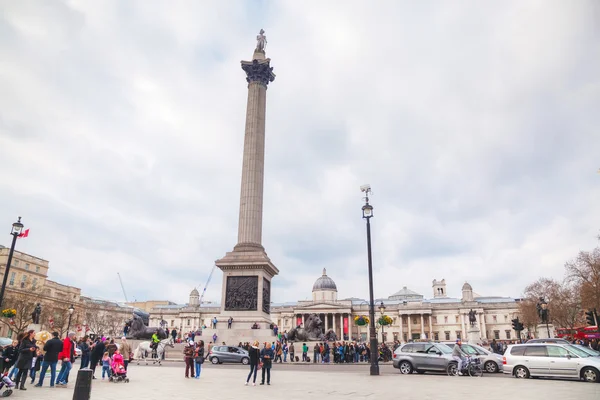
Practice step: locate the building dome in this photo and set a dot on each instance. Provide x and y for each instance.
(195, 292)
(324, 283)
(467, 286)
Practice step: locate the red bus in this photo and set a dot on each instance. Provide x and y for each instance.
(584, 332)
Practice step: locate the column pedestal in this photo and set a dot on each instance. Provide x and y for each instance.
(474, 335)
(542, 331)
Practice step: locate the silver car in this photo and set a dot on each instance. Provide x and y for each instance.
(491, 362)
(228, 354)
(421, 357)
(550, 359)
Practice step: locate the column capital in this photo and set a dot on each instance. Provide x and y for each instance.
(259, 71)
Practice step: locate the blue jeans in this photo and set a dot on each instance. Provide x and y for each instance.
(285, 356)
(198, 369)
(45, 365)
(106, 370)
(64, 372)
(13, 372)
(85, 361)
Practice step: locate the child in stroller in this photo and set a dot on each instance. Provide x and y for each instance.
(5, 382)
(119, 374)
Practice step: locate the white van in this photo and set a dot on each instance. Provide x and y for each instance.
(550, 359)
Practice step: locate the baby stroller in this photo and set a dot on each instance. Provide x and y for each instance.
(6, 383)
(119, 374)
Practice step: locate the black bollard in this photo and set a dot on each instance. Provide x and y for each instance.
(83, 385)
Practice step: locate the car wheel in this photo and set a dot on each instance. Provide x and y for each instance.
(491, 367)
(590, 375)
(214, 360)
(245, 360)
(405, 368)
(521, 372)
(452, 369)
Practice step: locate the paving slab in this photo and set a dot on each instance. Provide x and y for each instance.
(222, 383)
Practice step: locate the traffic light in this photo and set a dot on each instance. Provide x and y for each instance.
(515, 324)
(520, 327)
(590, 318)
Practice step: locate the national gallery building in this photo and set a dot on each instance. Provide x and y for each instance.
(414, 317)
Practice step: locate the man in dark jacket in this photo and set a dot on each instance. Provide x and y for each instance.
(52, 348)
(266, 356)
(97, 352)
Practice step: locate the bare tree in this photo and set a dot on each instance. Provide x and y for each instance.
(24, 303)
(584, 271)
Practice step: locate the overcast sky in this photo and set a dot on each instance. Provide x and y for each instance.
(476, 123)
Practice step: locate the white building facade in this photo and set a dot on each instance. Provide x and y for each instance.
(414, 317)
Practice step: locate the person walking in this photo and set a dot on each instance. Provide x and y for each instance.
(26, 353)
(67, 356)
(285, 349)
(98, 350)
(304, 351)
(36, 364)
(52, 348)
(85, 352)
(188, 356)
(125, 350)
(266, 356)
(254, 353)
(292, 352)
(229, 322)
(199, 358)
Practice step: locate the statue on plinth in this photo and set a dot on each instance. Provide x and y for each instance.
(35, 315)
(472, 317)
(261, 41)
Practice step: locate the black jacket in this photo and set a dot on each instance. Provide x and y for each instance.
(254, 354)
(25, 354)
(85, 348)
(11, 352)
(52, 348)
(98, 351)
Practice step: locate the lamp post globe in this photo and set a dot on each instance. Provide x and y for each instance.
(367, 213)
(70, 309)
(16, 230)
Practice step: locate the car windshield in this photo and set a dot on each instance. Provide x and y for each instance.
(577, 351)
(444, 348)
(587, 350)
(481, 349)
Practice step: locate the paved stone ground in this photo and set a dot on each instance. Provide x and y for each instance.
(218, 383)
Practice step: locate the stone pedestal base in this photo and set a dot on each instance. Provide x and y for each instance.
(246, 296)
(474, 335)
(36, 327)
(542, 331)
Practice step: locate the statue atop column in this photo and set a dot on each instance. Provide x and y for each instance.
(472, 317)
(261, 41)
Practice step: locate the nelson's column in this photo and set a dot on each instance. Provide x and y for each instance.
(247, 270)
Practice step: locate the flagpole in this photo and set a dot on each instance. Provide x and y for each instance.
(15, 232)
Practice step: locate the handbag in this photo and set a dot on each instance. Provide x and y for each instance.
(259, 367)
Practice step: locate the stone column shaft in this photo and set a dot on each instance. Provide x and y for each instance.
(251, 196)
(401, 338)
(409, 335)
(422, 326)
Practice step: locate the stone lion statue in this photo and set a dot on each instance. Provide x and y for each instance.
(137, 329)
(312, 332)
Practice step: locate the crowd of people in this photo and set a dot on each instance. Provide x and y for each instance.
(23, 358)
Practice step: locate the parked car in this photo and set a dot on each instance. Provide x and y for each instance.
(5, 341)
(491, 362)
(421, 357)
(550, 340)
(228, 354)
(77, 352)
(550, 359)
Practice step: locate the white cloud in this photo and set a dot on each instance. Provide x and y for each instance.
(121, 130)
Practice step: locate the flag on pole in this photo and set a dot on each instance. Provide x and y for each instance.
(24, 234)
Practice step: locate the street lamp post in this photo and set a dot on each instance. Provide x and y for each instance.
(382, 310)
(16, 230)
(71, 309)
(367, 211)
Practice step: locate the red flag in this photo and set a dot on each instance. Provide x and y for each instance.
(24, 234)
